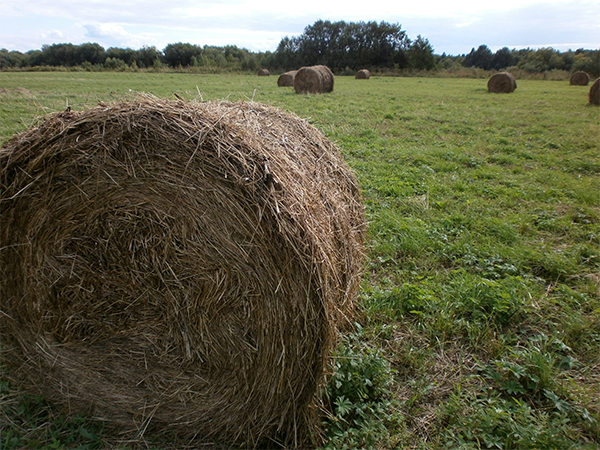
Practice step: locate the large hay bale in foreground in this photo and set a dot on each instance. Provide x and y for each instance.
(502, 82)
(594, 94)
(178, 268)
(263, 73)
(286, 79)
(363, 74)
(314, 80)
(579, 79)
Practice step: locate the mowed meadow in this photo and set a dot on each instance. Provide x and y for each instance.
(479, 314)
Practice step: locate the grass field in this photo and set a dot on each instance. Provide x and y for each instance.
(480, 307)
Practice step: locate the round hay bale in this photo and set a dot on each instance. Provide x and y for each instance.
(263, 73)
(314, 80)
(594, 94)
(286, 79)
(363, 74)
(579, 79)
(502, 82)
(178, 269)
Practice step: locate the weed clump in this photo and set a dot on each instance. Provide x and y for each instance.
(358, 396)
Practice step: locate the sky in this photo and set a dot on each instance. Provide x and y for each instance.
(453, 27)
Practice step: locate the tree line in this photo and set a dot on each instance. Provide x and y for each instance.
(343, 46)
(92, 55)
(541, 60)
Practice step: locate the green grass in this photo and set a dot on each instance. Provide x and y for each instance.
(480, 305)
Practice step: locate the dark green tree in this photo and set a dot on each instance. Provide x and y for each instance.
(320, 42)
(420, 54)
(481, 58)
(91, 53)
(57, 55)
(542, 60)
(11, 59)
(34, 58)
(127, 55)
(287, 55)
(587, 61)
(69, 55)
(340, 45)
(385, 41)
(181, 54)
(503, 58)
(146, 56)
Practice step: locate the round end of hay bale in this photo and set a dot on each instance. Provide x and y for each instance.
(594, 94)
(286, 79)
(363, 74)
(502, 82)
(579, 79)
(314, 80)
(178, 268)
(263, 73)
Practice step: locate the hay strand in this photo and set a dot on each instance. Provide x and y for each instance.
(363, 74)
(178, 268)
(594, 94)
(502, 82)
(286, 79)
(314, 80)
(579, 79)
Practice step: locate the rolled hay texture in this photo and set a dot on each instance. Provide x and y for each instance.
(178, 268)
(502, 82)
(594, 94)
(286, 79)
(579, 79)
(363, 74)
(314, 80)
(263, 73)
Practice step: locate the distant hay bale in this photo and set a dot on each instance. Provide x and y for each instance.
(594, 94)
(502, 82)
(314, 80)
(178, 269)
(580, 79)
(363, 74)
(263, 73)
(286, 79)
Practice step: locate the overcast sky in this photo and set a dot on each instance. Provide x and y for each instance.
(452, 27)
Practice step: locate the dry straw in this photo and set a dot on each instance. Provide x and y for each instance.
(286, 79)
(313, 80)
(363, 74)
(263, 73)
(178, 269)
(580, 79)
(502, 82)
(594, 94)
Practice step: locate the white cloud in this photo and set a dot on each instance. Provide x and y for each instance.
(115, 35)
(52, 34)
(104, 30)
